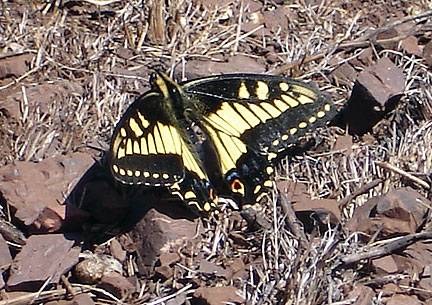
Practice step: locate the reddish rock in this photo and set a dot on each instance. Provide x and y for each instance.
(376, 92)
(410, 45)
(82, 299)
(157, 233)
(15, 66)
(425, 286)
(199, 68)
(116, 284)
(397, 212)
(385, 264)
(390, 289)
(388, 34)
(427, 53)
(344, 144)
(117, 251)
(407, 265)
(79, 299)
(218, 295)
(211, 268)
(179, 299)
(164, 272)
(43, 257)
(167, 259)
(35, 191)
(323, 210)
(236, 269)
(345, 74)
(363, 295)
(5, 256)
(41, 96)
(399, 299)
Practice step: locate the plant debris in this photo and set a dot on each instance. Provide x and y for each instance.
(350, 222)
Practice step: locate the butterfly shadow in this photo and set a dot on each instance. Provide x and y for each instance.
(102, 208)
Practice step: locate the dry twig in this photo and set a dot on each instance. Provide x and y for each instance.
(389, 247)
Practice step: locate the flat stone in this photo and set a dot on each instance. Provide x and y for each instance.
(218, 295)
(397, 212)
(116, 284)
(385, 264)
(363, 295)
(35, 191)
(399, 299)
(43, 257)
(82, 299)
(117, 251)
(5, 255)
(158, 233)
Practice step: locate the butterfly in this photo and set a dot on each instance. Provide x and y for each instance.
(216, 135)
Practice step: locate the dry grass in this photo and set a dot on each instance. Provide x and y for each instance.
(83, 46)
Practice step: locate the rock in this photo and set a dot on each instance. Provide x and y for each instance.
(35, 191)
(236, 269)
(5, 256)
(390, 289)
(240, 63)
(41, 96)
(179, 299)
(363, 295)
(376, 92)
(427, 53)
(398, 212)
(385, 264)
(117, 250)
(218, 295)
(95, 266)
(310, 210)
(79, 299)
(82, 299)
(388, 34)
(168, 259)
(211, 268)
(43, 257)
(164, 272)
(116, 284)
(15, 65)
(345, 74)
(344, 143)
(410, 45)
(399, 299)
(157, 233)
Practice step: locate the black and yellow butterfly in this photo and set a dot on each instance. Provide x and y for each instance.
(214, 133)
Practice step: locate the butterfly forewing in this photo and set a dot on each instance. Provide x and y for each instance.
(268, 113)
(146, 147)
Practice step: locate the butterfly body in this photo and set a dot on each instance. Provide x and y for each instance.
(221, 132)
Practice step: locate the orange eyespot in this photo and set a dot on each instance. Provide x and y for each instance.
(237, 186)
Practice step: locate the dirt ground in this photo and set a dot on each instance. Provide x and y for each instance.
(349, 222)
